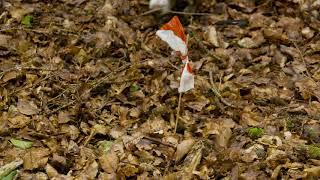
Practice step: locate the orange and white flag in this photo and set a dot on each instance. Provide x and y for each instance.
(173, 34)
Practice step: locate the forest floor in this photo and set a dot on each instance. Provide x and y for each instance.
(88, 91)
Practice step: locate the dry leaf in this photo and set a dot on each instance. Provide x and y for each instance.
(63, 117)
(51, 172)
(4, 40)
(109, 162)
(36, 158)
(313, 171)
(27, 107)
(18, 121)
(10, 75)
(183, 148)
(212, 36)
(104, 176)
(70, 130)
(90, 171)
(129, 170)
(223, 136)
(19, 12)
(193, 159)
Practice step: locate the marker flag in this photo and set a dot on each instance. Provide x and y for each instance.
(173, 34)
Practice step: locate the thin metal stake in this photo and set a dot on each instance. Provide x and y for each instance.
(178, 113)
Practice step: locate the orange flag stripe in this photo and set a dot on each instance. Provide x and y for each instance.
(189, 68)
(175, 25)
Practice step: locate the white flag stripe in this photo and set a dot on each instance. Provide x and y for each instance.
(175, 42)
(187, 79)
(185, 60)
(159, 3)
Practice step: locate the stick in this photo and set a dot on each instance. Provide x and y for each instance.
(190, 13)
(92, 133)
(302, 58)
(150, 11)
(178, 112)
(157, 141)
(175, 12)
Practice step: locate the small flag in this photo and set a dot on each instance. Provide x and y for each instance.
(173, 34)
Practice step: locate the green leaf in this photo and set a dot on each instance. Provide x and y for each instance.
(134, 88)
(21, 143)
(8, 168)
(10, 176)
(105, 145)
(27, 20)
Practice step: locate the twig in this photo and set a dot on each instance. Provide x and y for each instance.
(96, 83)
(302, 58)
(61, 31)
(173, 65)
(178, 113)
(157, 141)
(24, 29)
(216, 91)
(175, 12)
(61, 107)
(50, 100)
(134, 164)
(92, 133)
(190, 13)
(30, 86)
(150, 11)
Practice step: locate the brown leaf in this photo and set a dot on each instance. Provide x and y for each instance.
(27, 107)
(3, 125)
(221, 128)
(308, 88)
(199, 103)
(193, 159)
(19, 12)
(104, 176)
(18, 121)
(51, 171)
(10, 75)
(4, 40)
(249, 117)
(129, 170)
(314, 109)
(223, 137)
(90, 171)
(59, 159)
(36, 158)
(63, 117)
(313, 171)
(183, 148)
(70, 130)
(212, 36)
(109, 162)
(250, 154)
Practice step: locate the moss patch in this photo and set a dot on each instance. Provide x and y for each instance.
(314, 151)
(255, 132)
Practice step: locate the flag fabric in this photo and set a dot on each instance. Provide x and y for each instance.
(173, 34)
(159, 4)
